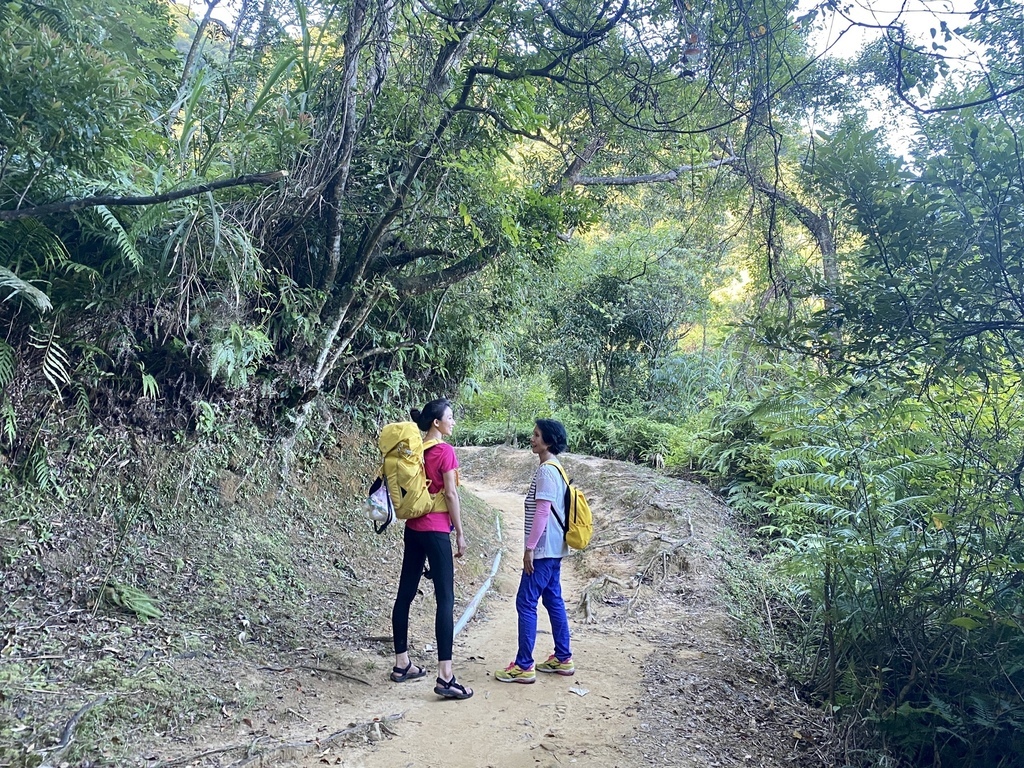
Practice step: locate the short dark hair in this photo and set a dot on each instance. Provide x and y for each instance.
(433, 410)
(553, 434)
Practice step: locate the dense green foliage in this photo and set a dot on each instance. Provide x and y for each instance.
(232, 222)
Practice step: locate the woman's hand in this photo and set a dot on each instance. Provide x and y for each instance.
(460, 545)
(528, 562)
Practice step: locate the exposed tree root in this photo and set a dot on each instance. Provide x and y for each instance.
(584, 604)
(68, 734)
(667, 548)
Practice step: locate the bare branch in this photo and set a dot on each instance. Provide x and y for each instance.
(471, 17)
(580, 162)
(586, 34)
(96, 200)
(399, 260)
(651, 178)
(508, 128)
(420, 284)
(366, 354)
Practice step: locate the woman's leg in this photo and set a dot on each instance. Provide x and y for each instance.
(531, 586)
(552, 597)
(438, 547)
(412, 568)
(442, 568)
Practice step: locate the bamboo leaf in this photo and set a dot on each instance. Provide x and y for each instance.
(279, 71)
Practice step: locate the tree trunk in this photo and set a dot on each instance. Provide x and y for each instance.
(190, 63)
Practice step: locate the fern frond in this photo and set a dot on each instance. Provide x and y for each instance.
(151, 217)
(798, 432)
(38, 467)
(911, 503)
(817, 482)
(17, 287)
(124, 242)
(901, 442)
(32, 245)
(897, 476)
(822, 455)
(56, 363)
(82, 405)
(8, 423)
(818, 509)
(8, 364)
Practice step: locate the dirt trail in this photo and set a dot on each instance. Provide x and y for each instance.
(670, 677)
(509, 725)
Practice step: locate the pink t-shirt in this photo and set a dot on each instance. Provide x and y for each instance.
(436, 461)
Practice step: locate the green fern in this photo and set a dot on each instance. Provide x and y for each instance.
(124, 241)
(8, 423)
(82, 405)
(19, 287)
(28, 246)
(56, 363)
(8, 365)
(804, 456)
(37, 468)
(152, 217)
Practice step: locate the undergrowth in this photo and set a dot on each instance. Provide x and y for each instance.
(158, 565)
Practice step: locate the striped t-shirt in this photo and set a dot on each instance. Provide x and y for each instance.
(548, 485)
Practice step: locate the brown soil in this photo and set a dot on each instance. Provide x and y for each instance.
(664, 674)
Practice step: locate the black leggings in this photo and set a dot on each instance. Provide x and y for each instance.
(436, 549)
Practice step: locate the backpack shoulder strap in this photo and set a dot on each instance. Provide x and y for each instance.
(430, 444)
(560, 469)
(564, 525)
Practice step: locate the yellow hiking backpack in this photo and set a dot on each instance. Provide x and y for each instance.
(403, 473)
(579, 522)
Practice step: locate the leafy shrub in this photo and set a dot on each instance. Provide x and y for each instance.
(902, 545)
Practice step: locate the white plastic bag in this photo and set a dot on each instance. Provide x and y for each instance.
(379, 507)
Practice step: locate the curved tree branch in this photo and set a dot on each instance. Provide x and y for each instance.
(651, 178)
(399, 260)
(432, 281)
(587, 34)
(66, 206)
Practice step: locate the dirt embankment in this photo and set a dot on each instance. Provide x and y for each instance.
(664, 675)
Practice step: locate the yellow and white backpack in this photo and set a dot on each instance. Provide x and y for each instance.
(403, 475)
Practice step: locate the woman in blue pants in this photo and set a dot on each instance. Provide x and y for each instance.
(542, 561)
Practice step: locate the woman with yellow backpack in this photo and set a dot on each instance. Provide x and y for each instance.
(545, 546)
(427, 541)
